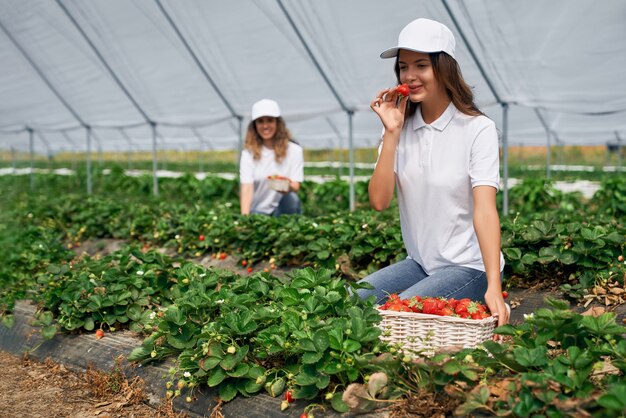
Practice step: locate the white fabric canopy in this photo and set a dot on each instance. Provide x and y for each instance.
(195, 67)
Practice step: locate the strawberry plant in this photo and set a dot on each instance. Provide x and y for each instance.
(558, 363)
(108, 292)
(261, 334)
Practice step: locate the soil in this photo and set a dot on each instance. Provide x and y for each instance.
(46, 389)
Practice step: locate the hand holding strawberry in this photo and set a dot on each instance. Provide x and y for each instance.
(390, 106)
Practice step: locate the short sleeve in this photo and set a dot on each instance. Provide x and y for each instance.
(485, 158)
(246, 168)
(296, 166)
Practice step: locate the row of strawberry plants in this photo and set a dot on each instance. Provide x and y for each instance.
(536, 248)
(306, 337)
(90, 282)
(530, 196)
(552, 245)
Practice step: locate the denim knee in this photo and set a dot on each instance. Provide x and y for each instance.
(289, 205)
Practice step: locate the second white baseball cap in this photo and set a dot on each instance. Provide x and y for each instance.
(265, 107)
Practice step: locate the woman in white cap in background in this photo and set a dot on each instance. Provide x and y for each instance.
(269, 151)
(442, 155)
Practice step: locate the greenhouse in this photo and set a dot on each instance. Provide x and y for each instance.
(130, 240)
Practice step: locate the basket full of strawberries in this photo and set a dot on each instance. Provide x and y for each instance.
(423, 325)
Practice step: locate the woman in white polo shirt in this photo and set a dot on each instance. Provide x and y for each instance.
(269, 151)
(442, 155)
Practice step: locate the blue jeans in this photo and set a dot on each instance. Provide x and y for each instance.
(408, 279)
(288, 205)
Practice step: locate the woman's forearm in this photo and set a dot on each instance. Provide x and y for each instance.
(487, 227)
(245, 198)
(383, 179)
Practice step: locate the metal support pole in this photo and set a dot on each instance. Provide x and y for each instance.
(31, 144)
(505, 157)
(549, 155)
(13, 160)
(155, 179)
(619, 151)
(351, 157)
(88, 156)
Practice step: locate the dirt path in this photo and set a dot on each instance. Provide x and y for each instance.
(32, 389)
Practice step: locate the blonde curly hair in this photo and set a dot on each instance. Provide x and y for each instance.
(254, 142)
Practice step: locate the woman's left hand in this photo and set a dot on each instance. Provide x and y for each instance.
(294, 186)
(495, 303)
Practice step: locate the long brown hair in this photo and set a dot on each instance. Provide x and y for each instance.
(448, 72)
(254, 142)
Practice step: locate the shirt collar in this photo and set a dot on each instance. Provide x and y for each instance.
(441, 122)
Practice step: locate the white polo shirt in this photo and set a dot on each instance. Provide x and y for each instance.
(437, 165)
(251, 171)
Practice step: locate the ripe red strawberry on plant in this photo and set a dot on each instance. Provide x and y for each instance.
(289, 396)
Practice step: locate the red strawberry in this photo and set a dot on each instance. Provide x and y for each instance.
(201, 237)
(222, 256)
(399, 307)
(430, 306)
(447, 311)
(289, 396)
(99, 334)
(461, 307)
(249, 269)
(505, 294)
(403, 90)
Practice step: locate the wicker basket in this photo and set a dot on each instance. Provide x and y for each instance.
(280, 185)
(424, 334)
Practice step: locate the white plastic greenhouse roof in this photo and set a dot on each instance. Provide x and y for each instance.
(191, 69)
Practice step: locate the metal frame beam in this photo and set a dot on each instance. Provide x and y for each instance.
(349, 111)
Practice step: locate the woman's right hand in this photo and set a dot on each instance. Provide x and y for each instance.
(389, 109)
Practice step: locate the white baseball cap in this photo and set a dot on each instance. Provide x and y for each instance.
(265, 107)
(423, 35)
